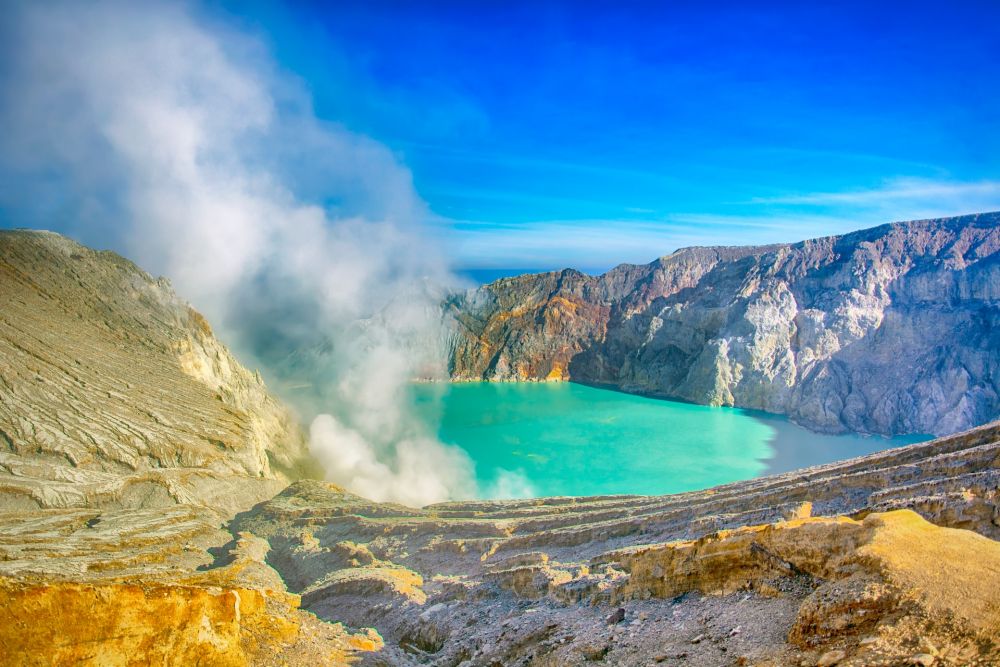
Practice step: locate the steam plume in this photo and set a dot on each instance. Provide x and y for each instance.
(187, 135)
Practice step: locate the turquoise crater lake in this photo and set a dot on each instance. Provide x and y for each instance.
(544, 439)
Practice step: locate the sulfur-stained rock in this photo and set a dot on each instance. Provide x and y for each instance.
(134, 624)
(815, 330)
(803, 563)
(831, 658)
(122, 609)
(118, 547)
(886, 566)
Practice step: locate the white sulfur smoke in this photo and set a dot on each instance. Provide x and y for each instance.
(509, 484)
(187, 135)
(424, 468)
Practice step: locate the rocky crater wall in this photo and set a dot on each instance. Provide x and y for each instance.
(889, 330)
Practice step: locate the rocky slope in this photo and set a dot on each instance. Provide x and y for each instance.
(883, 560)
(141, 587)
(128, 435)
(874, 561)
(889, 330)
(115, 393)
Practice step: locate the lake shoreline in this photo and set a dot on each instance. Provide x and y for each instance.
(572, 439)
(608, 386)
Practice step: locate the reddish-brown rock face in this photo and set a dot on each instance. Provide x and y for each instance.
(888, 330)
(534, 327)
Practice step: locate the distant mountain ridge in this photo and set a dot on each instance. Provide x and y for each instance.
(889, 330)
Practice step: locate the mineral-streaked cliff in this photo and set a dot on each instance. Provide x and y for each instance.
(115, 393)
(889, 330)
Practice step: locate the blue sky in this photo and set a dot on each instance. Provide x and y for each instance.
(584, 134)
(625, 132)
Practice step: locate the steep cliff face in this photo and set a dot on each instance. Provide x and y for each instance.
(889, 330)
(115, 393)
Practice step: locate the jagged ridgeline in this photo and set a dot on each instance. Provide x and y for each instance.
(889, 330)
(115, 393)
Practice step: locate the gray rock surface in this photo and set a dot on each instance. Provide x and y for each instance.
(889, 330)
(578, 581)
(115, 393)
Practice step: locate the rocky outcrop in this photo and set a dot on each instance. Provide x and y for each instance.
(114, 393)
(128, 435)
(889, 330)
(140, 587)
(846, 557)
(881, 560)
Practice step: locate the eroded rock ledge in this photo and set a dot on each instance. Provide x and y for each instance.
(129, 435)
(882, 558)
(140, 587)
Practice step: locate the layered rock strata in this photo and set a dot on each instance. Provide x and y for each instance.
(141, 587)
(128, 435)
(877, 560)
(889, 330)
(115, 393)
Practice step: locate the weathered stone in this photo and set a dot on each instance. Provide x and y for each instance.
(133, 587)
(568, 555)
(800, 563)
(116, 394)
(894, 329)
(617, 616)
(831, 658)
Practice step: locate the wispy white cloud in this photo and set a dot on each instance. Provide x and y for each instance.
(940, 193)
(604, 242)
